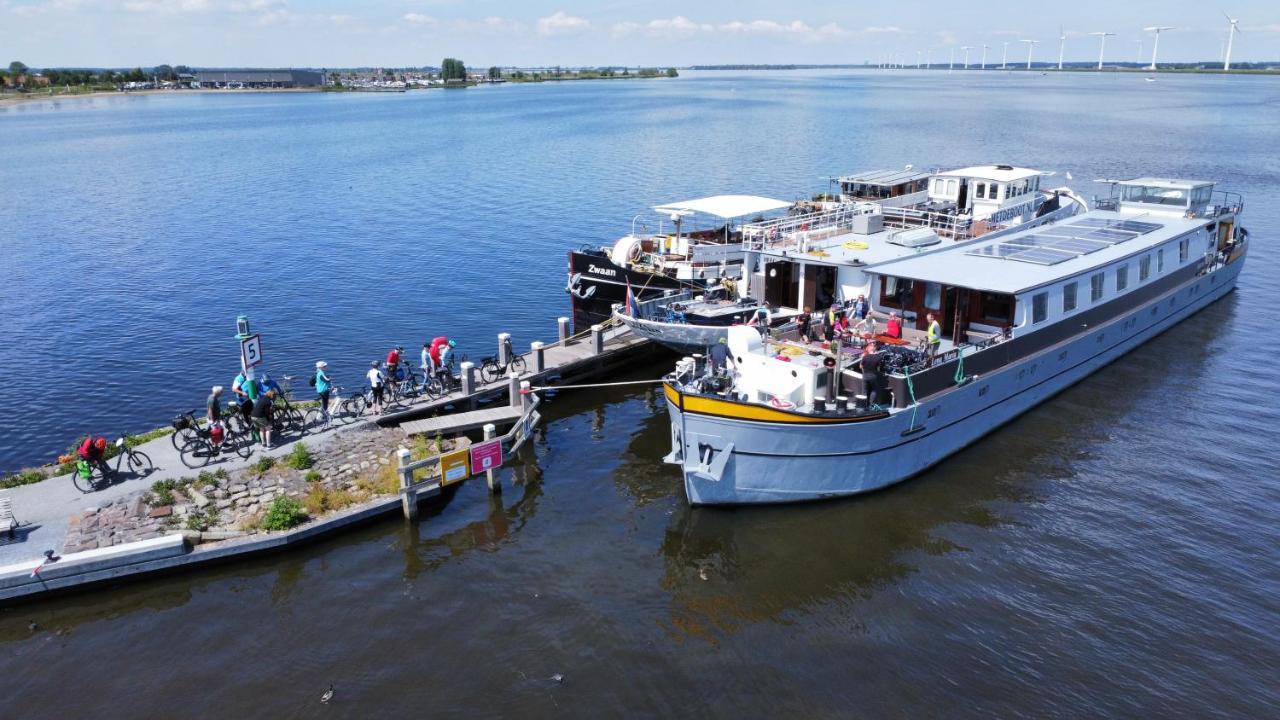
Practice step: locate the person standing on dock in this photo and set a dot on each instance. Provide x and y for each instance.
(213, 405)
(393, 363)
(261, 416)
(860, 307)
(246, 391)
(871, 373)
(428, 364)
(323, 387)
(719, 356)
(376, 382)
(806, 324)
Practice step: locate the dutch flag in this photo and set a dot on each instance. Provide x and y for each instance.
(631, 300)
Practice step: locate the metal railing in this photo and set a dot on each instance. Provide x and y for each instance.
(954, 226)
(795, 230)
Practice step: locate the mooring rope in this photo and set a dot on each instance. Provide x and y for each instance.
(597, 385)
(915, 406)
(960, 376)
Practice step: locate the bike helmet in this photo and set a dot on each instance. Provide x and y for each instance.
(100, 443)
(453, 344)
(373, 364)
(321, 364)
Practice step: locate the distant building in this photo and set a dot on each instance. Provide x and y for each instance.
(259, 78)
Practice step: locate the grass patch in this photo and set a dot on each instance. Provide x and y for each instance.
(300, 458)
(133, 441)
(264, 464)
(161, 493)
(320, 500)
(25, 477)
(312, 476)
(284, 513)
(201, 520)
(383, 481)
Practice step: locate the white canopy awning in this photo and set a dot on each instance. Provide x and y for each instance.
(725, 206)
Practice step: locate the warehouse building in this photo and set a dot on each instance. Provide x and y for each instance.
(259, 79)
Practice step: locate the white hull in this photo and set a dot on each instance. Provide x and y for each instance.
(735, 461)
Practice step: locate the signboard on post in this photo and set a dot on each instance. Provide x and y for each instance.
(527, 424)
(251, 351)
(486, 455)
(454, 466)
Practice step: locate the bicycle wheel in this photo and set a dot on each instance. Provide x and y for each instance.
(518, 363)
(433, 387)
(241, 445)
(181, 436)
(140, 464)
(197, 453)
(489, 372)
(352, 408)
(296, 421)
(82, 483)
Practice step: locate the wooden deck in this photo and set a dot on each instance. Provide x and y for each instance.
(460, 422)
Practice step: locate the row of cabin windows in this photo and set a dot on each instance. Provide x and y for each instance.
(1097, 283)
(986, 191)
(864, 190)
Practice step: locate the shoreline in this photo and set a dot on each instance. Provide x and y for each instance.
(18, 98)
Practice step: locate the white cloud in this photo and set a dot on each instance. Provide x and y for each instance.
(678, 26)
(419, 19)
(681, 27)
(39, 8)
(562, 23)
(623, 29)
(874, 30)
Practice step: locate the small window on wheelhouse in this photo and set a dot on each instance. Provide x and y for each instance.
(1039, 307)
(1068, 297)
(1144, 268)
(1122, 277)
(1184, 250)
(1160, 260)
(1096, 287)
(980, 191)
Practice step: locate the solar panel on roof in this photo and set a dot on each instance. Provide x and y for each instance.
(996, 250)
(1042, 256)
(1080, 246)
(1037, 240)
(1089, 223)
(1109, 235)
(1136, 226)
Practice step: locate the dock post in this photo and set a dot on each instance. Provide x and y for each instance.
(408, 498)
(526, 396)
(513, 388)
(468, 378)
(503, 340)
(564, 330)
(495, 485)
(597, 339)
(539, 356)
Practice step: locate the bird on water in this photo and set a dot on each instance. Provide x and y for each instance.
(328, 694)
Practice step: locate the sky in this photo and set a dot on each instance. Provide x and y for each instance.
(411, 33)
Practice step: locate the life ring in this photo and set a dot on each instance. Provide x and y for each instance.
(780, 403)
(854, 245)
(818, 253)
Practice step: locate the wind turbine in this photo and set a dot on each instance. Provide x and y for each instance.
(966, 50)
(951, 65)
(918, 57)
(1231, 35)
(928, 59)
(1004, 60)
(1157, 29)
(1031, 45)
(1062, 43)
(984, 56)
(1103, 47)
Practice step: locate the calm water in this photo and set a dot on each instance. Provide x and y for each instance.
(1115, 552)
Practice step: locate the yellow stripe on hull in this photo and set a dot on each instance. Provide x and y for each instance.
(702, 405)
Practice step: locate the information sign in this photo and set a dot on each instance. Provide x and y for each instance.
(251, 351)
(454, 467)
(486, 455)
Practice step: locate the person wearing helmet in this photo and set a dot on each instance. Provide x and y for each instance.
(265, 383)
(447, 353)
(94, 452)
(393, 363)
(376, 382)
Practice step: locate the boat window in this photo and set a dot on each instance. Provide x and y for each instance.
(1154, 195)
(933, 295)
(1144, 268)
(1184, 249)
(951, 188)
(1095, 287)
(1201, 195)
(995, 191)
(1035, 183)
(1068, 297)
(938, 186)
(1160, 260)
(1122, 277)
(897, 292)
(980, 191)
(1039, 307)
(997, 309)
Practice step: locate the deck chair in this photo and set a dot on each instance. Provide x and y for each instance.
(7, 520)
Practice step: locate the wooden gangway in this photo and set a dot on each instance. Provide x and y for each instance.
(461, 422)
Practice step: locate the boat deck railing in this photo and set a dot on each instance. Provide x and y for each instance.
(795, 229)
(957, 227)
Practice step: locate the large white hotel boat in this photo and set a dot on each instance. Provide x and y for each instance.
(1024, 316)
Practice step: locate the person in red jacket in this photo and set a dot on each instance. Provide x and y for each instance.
(893, 328)
(94, 451)
(393, 363)
(434, 350)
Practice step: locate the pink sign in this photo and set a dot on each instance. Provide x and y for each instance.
(486, 456)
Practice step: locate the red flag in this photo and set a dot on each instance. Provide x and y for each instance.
(631, 300)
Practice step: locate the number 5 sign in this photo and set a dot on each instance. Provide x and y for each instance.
(251, 351)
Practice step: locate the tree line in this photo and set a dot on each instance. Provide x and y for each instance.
(17, 71)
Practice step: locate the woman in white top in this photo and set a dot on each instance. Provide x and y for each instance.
(376, 381)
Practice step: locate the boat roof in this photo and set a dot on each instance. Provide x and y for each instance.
(999, 173)
(884, 177)
(1166, 183)
(725, 206)
(1043, 255)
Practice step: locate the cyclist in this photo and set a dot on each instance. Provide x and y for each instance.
(261, 415)
(323, 386)
(434, 350)
(376, 381)
(94, 452)
(428, 365)
(393, 363)
(213, 405)
(246, 391)
(266, 383)
(447, 354)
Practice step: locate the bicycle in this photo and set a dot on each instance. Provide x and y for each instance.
(187, 426)
(100, 474)
(491, 370)
(403, 386)
(345, 410)
(200, 449)
(284, 416)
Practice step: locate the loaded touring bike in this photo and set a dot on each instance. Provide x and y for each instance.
(89, 477)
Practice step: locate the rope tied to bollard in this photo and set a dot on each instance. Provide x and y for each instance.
(595, 385)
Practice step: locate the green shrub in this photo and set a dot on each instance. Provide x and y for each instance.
(161, 493)
(284, 513)
(26, 477)
(133, 441)
(312, 476)
(264, 464)
(300, 458)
